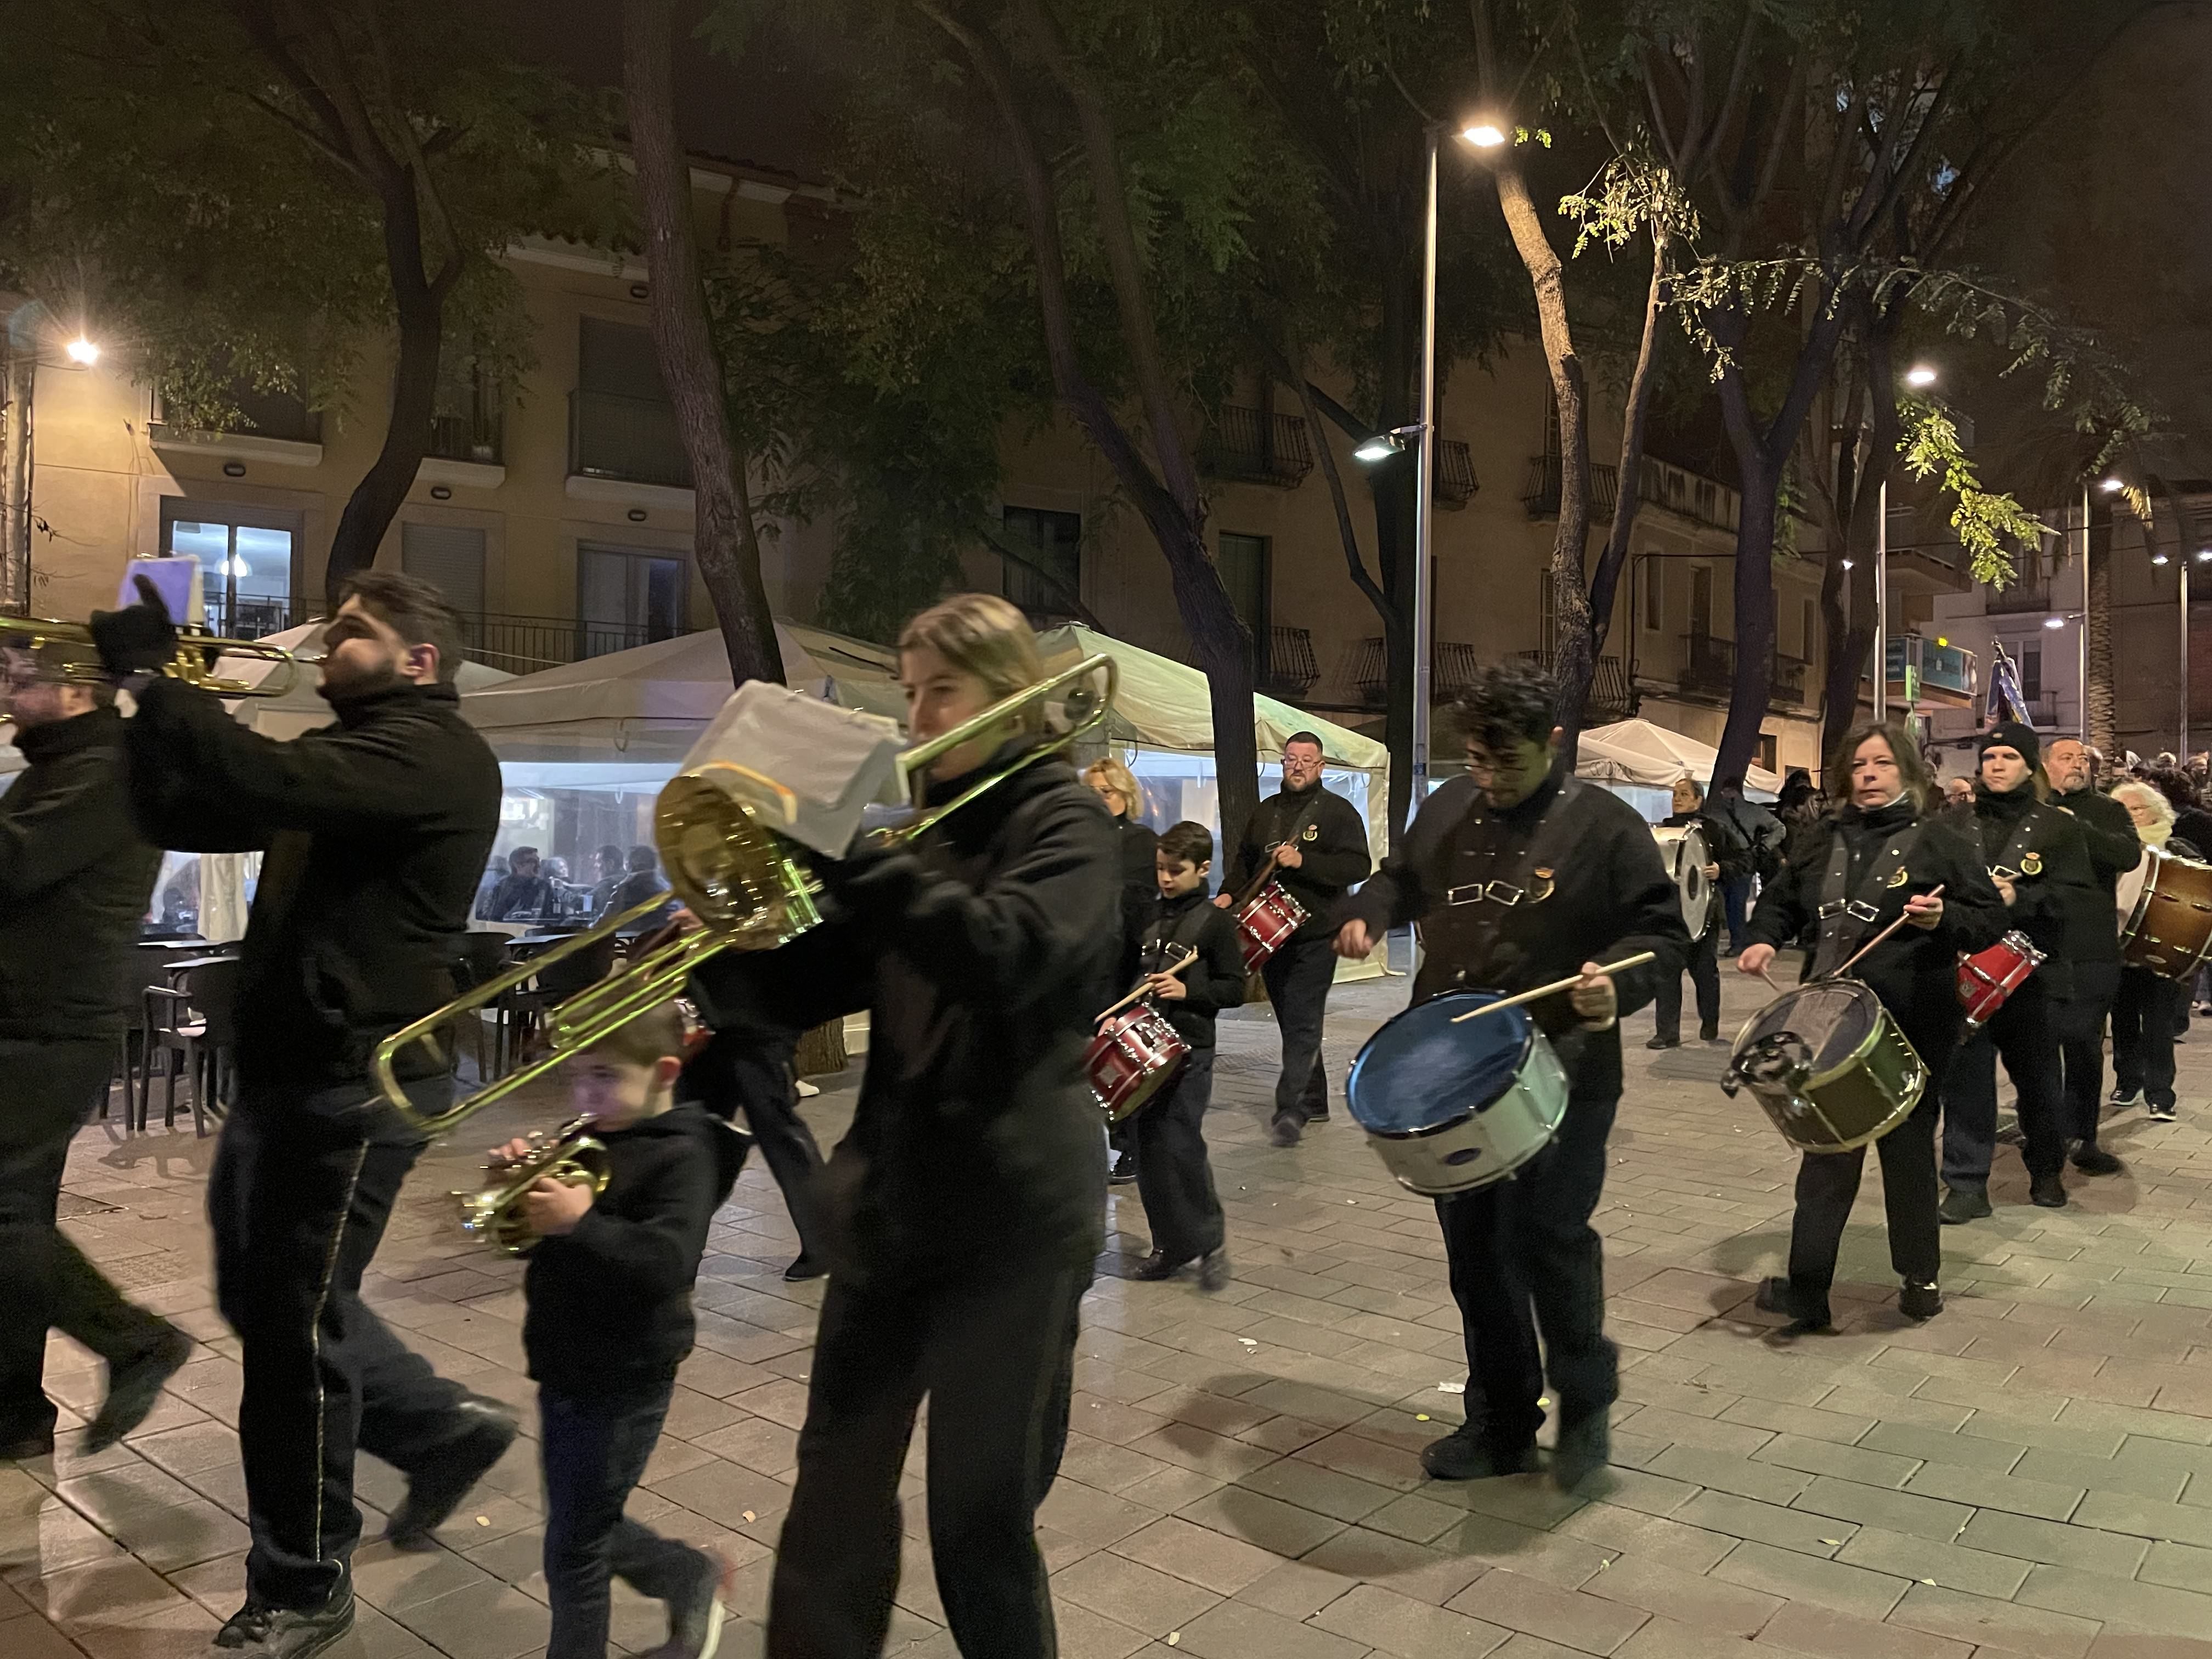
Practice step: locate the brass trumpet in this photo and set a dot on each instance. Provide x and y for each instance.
(751, 889)
(494, 1212)
(193, 662)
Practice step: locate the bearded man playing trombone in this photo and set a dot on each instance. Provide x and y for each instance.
(373, 832)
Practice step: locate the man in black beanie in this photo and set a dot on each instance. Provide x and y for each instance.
(2040, 864)
(2094, 939)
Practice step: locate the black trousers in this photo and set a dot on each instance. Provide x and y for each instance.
(1174, 1177)
(1299, 976)
(594, 1452)
(1525, 1261)
(1705, 967)
(738, 1071)
(997, 1362)
(2026, 1033)
(302, 1190)
(46, 1091)
(2080, 1017)
(2144, 1016)
(1828, 1185)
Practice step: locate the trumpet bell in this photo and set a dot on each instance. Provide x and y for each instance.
(495, 1214)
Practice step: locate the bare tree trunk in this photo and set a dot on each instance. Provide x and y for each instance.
(726, 541)
(420, 302)
(2104, 706)
(1636, 420)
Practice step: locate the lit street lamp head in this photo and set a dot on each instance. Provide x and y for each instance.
(1483, 133)
(82, 351)
(1920, 374)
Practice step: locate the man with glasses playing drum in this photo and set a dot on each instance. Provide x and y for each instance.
(1520, 875)
(1873, 860)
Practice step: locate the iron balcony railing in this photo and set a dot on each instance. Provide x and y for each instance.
(1256, 446)
(1708, 669)
(523, 645)
(1540, 493)
(1286, 666)
(631, 439)
(1452, 668)
(260, 414)
(478, 436)
(1609, 697)
(1455, 481)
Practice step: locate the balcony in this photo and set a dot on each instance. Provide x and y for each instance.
(1609, 697)
(523, 645)
(1255, 446)
(1286, 666)
(625, 440)
(1540, 493)
(1452, 669)
(2031, 593)
(477, 438)
(1455, 484)
(1662, 484)
(1709, 670)
(264, 426)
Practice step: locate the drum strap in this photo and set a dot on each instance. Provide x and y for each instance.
(1846, 912)
(1477, 916)
(2016, 858)
(1184, 935)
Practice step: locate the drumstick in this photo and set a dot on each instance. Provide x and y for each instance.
(1903, 917)
(1172, 968)
(1625, 963)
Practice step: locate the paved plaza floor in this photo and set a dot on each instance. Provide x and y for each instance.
(2030, 1474)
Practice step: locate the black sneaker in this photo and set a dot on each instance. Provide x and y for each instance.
(1287, 1131)
(1121, 1172)
(1663, 1042)
(462, 1462)
(2163, 1112)
(1156, 1265)
(288, 1632)
(1709, 1034)
(1585, 1446)
(2047, 1191)
(1964, 1203)
(1917, 1301)
(1214, 1271)
(1776, 1296)
(134, 1388)
(2096, 1161)
(1465, 1454)
(804, 1268)
(695, 1615)
(2125, 1097)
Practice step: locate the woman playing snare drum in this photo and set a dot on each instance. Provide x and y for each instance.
(1874, 858)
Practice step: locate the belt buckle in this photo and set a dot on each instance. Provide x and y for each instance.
(1504, 892)
(2003, 872)
(1468, 892)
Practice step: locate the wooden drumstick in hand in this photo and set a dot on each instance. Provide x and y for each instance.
(1189, 957)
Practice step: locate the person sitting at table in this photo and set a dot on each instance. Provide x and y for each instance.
(643, 881)
(523, 892)
(612, 868)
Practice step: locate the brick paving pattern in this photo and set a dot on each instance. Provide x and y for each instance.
(2029, 1475)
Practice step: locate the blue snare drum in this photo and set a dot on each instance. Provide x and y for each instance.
(1450, 1107)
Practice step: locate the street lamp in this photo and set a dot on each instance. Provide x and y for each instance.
(1483, 133)
(1920, 375)
(82, 351)
(1383, 445)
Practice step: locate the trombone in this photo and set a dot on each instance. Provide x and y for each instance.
(193, 662)
(751, 888)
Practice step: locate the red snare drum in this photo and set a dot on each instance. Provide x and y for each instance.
(1987, 977)
(1263, 926)
(1135, 1054)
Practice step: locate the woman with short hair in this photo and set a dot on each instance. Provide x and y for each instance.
(2149, 1008)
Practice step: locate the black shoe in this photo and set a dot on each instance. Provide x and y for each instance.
(1156, 1265)
(2096, 1161)
(459, 1465)
(695, 1615)
(1464, 1455)
(287, 1632)
(2162, 1113)
(1919, 1301)
(1709, 1034)
(1964, 1204)
(2047, 1191)
(134, 1388)
(804, 1268)
(1213, 1270)
(2126, 1097)
(1285, 1131)
(1121, 1172)
(1317, 1114)
(1585, 1446)
(26, 1446)
(1776, 1296)
(1663, 1042)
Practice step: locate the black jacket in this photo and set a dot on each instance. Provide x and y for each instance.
(375, 831)
(2109, 834)
(516, 896)
(2060, 889)
(1134, 844)
(75, 878)
(611, 1301)
(978, 953)
(1214, 982)
(1915, 971)
(1610, 898)
(1331, 850)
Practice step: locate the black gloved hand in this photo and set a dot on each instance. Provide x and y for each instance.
(139, 638)
(874, 880)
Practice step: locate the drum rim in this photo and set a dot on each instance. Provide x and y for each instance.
(2139, 913)
(1498, 1172)
(1858, 1055)
(1528, 1044)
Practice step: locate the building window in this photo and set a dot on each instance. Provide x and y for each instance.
(2030, 669)
(1701, 600)
(1242, 562)
(1053, 542)
(1655, 593)
(620, 424)
(1766, 749)
(450, 556)
(627, 595)
(246, 557)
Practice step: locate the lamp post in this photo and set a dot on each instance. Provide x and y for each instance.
(1424, 490)
(1920, 377)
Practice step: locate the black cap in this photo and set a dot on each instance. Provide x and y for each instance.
(2010, 734)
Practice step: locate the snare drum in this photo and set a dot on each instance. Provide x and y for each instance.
(1682, 850)
(1987, 977)
(2169, 931)
(1829, 1065)
(1135, 1054)
(1449, 1108)
(1262, 925)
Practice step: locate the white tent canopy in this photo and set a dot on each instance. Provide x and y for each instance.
(301, 709)
(1651, 756)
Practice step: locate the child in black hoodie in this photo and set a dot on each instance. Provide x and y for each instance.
(1174, 1179)
(608, 1286)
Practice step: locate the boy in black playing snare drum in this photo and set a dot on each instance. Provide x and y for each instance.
(1173, 1176)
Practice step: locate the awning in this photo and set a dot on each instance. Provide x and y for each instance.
(1639, 752)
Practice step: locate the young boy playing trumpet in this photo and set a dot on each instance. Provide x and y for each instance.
(608, 1286)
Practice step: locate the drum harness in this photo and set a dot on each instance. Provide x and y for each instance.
(1183, 936)
(1472, 936)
